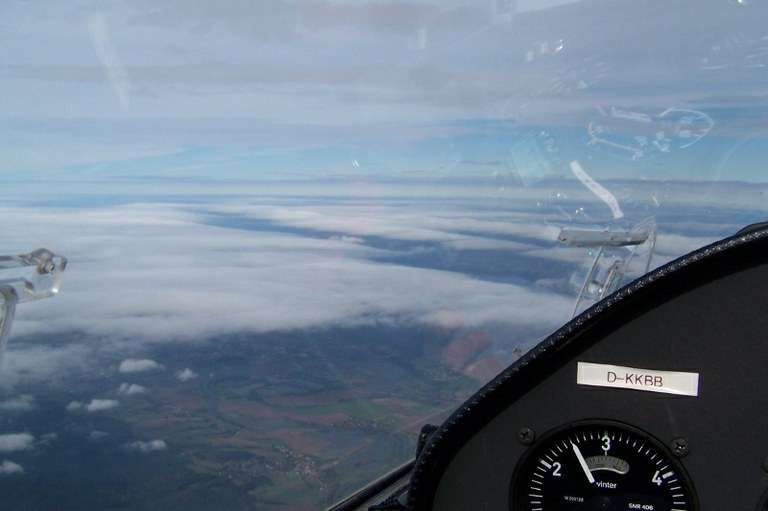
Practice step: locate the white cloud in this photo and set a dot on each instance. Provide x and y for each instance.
(74, 406)
(131, 389)
(669, 246)
(98, 435)
(168, 267)
(444, 224)
(97, 405)
(11, 442)
(182, 279)
(132, 365)
(151, 273)
(161, 297)
(46, 438)
(9, 467)
(23, 403)
(145, 447)
(186, 375)
(40, 362)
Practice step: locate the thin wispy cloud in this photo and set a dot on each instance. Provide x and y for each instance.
(23, 403)
(109, 57)
(97, 435)
(186, 375)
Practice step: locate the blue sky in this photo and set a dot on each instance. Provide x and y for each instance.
(319, 86)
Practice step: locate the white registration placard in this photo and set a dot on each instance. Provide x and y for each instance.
(649, 380)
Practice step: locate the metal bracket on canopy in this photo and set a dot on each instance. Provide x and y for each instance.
(621, 256)
(25, 278)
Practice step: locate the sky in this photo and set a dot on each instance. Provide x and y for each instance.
(320, 86)
(214, 167)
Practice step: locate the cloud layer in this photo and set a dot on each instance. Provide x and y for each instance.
(155, 273)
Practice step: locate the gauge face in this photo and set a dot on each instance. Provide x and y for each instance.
(600, 465)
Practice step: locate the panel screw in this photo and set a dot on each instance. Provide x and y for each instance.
(526, 435)
(679, 447)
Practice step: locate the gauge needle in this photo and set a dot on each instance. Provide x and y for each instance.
(583, 463)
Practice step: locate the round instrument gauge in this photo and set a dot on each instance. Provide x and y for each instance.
(600, 465)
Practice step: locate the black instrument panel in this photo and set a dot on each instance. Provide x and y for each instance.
(653, 400)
